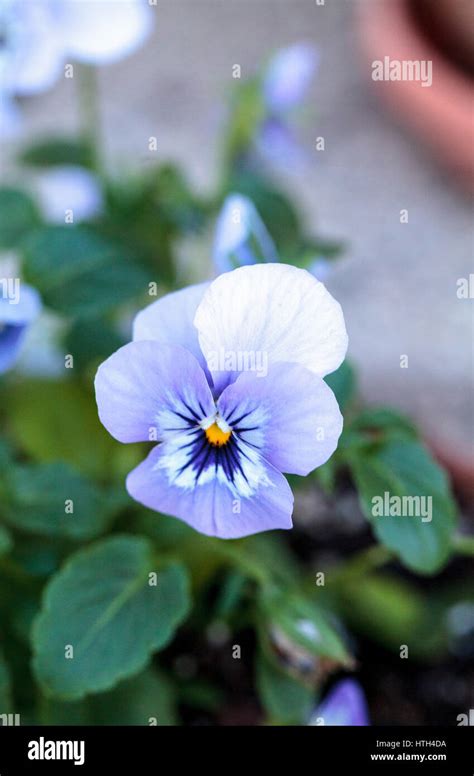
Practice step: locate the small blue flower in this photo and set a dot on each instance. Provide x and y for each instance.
(17, 311)
(345, 704)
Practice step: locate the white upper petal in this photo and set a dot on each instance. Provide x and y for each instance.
(170, 320)
(275, 311)
(105, 31)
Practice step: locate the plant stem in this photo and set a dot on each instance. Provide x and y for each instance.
(366, 561)
(89, 111)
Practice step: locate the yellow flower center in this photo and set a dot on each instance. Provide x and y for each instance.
(217, 437)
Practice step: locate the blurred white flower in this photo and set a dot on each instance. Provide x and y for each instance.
(38, 37)
(69, 189)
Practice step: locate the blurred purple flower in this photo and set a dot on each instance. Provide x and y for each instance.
(345, 704)
(38, 38)
(227, 377)
(19, 306)
(276, 142)
(285, 86)
(69, 188)
(288, 77)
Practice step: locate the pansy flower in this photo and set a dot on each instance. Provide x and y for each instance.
(38, 38)
(19, 306)
(345, 704)
(227, 377)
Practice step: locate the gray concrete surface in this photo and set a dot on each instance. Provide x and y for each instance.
(397, 283)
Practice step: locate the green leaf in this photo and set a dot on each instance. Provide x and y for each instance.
(147, 699)
(6, 541)
(343, 383)
(18, 216)
(304, 623)
(54, 500)
(54, 151)
(392, 612)
(383, 420)
(80, 274)
(404, 468)
(103, 605)
(67, 428)
(284, 698)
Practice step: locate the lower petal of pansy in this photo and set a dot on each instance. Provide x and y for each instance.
(287, 413)
(217, 493)
(149, 391)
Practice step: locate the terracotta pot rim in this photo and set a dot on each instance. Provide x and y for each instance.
(442, 113)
